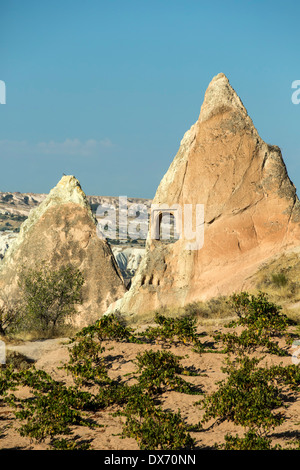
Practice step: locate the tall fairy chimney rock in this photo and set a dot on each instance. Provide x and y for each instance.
(62, 231)
(251, 210)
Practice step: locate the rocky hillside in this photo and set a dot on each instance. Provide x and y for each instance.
(62, 230)
(245, 210)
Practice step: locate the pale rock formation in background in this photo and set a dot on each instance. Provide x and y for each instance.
(128, 259)
(6, 239)
(61, 230)
(252, 212)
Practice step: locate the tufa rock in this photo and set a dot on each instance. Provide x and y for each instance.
(251, 210)
(62, 231)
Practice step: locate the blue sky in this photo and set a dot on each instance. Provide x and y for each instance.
(105, 90)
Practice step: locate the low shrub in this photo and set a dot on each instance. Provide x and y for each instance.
(158, 430)
(261, 320)
(247, 398)
(279, 280)
(175, 330)
(252, 397)
(160, 370)
(250, 441)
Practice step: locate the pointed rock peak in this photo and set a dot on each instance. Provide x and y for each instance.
(67, 190)
(220, 97)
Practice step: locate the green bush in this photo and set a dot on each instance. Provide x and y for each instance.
(151, 426)
(250, 441)
(175, 330)
(67, 444)
(252, 397)
(261, 321)
(51, 409)
(256, 311)
(248, 397)
(8, 380)
(279, 280)
(50, 295)
(161, 430)
(160, 370)
(87, 364)
(248, 341)
(11, 316)
(113, 327)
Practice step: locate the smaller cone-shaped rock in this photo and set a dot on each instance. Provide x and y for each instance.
(62, 231)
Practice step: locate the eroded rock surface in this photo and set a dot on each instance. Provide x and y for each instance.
(251, 210)
(61, 230)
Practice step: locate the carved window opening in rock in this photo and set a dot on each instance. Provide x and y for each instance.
(166, 224)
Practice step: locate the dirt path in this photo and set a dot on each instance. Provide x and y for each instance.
(37, 349)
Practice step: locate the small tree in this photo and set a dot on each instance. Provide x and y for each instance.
(10, 315)
(50, 295)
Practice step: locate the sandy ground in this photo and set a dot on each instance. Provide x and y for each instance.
(51, 354)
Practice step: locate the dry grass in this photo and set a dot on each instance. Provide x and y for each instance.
(216, 311)
(280, 279)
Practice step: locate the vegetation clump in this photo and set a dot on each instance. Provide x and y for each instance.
(159, 370)
(50, 296)
(261, 321)
(154, 428)
(109, 327)
(251, 395)
(279, 280)
(11, 316)
(175, 331)
(51, 409)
